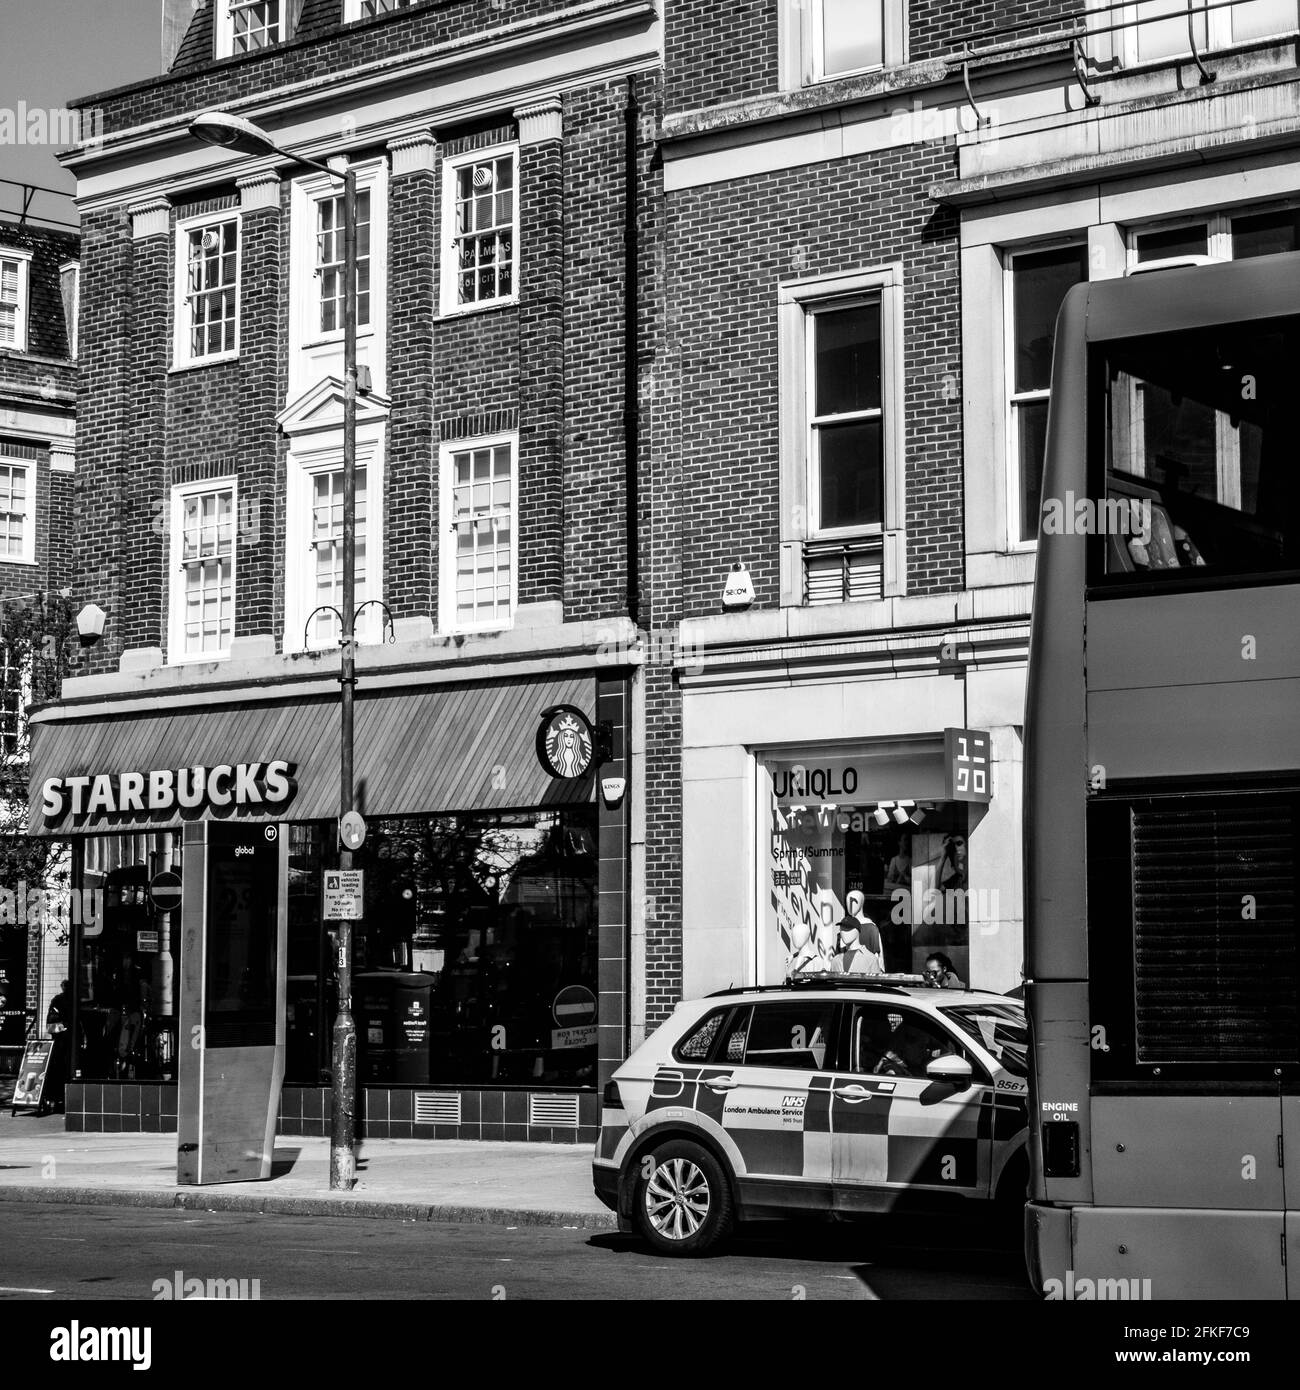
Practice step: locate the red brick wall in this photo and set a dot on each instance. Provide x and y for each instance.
(726, 50)
(719, 50)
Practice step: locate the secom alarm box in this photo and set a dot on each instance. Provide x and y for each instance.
(232, 1025)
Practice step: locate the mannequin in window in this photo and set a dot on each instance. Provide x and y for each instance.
(860, 950)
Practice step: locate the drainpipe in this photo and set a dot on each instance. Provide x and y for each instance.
(631, 355)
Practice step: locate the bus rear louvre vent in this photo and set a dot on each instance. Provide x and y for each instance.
(553, 1110)
(437, 1107)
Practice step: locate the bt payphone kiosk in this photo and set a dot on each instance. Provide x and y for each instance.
(232, 1019)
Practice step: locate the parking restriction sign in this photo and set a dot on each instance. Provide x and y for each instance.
(344, 895)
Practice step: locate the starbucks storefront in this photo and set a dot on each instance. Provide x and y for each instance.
(489, 966)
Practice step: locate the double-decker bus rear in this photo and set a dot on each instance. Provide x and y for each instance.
(1162, 792)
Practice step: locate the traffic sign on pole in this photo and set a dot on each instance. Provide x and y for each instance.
(165, 891)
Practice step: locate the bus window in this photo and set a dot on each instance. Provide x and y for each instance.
(1200, 482)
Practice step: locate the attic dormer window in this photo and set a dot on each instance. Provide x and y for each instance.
(245, 26)
(368, 9)
(14, 266)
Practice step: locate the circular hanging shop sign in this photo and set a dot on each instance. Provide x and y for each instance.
(564, 742)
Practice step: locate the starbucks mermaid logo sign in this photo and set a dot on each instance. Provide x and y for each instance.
(564, 743)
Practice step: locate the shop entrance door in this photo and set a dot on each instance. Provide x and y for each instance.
(234, 925)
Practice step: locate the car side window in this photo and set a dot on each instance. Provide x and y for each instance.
(791, 1034)
(889, 1041)
(695, 1046)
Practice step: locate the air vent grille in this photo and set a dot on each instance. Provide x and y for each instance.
(437, 1107)
(553, 1110)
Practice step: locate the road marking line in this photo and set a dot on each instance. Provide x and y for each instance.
(5, 1288)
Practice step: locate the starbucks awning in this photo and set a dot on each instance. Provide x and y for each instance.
(432, 748)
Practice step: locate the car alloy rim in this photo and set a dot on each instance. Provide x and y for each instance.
(677, 1199)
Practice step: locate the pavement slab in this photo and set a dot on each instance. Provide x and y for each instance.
(463, 1181)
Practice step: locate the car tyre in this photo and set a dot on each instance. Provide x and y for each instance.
(681, 1199)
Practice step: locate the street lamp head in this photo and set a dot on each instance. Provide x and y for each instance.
(231, 133)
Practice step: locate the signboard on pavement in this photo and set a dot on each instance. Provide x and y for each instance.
(31, 1076)
(344, 895)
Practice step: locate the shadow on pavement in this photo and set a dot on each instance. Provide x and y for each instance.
(895, 1256)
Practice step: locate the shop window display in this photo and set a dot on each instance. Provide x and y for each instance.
(128, 964)
(864, 888)
(473, 925)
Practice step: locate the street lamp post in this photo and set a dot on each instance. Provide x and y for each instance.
(234, 132)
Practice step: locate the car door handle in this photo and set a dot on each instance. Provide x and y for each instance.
(854, 1093)
(721, 1083)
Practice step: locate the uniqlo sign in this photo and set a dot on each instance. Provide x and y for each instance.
(968, 765)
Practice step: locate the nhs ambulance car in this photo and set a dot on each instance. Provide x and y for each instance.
(832, 1095)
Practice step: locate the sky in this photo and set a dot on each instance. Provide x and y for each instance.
(52, 52)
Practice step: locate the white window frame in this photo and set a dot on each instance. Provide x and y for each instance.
(355, 9)
(224, 17)
(1217, 222)
(448, 304)
(1213, 30)
(798, 301)
(23, 302)
(1010, 429)
(23, 672)
(74, 326)
(176, 653)
(448, 622)
(803, 50)
(28, 467)
(312, 353)
(182, 356)
(305, 463)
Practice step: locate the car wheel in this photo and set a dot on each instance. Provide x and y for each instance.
(682, 1200)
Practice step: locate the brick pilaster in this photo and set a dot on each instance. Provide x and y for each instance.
(541, 352)
(411, 547)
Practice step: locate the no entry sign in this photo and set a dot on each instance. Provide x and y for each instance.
(165, 891)
(574, 1006)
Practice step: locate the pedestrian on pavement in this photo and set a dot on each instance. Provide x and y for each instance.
(58, 1020)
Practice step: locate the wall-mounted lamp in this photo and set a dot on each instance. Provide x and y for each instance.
(880, 815)
(90, 624)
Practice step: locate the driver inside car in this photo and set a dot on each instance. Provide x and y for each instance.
(896, 1047)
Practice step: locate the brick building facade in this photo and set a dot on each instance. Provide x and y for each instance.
(871, 214)
(506, 204)
(38, 290)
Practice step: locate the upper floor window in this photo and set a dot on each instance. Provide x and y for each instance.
(14, 269)
(368, 9)
(207, 301)
(17, 512)
(834, 38)
(481, 211)
(1227, 236)
(14, 689)
(1164, 29)
(845, 416)
(479, 566)
(244, 26)
(841, 430)
(202, 619)
(325, 553)
(70, 291)
(329, 260)
(1039, 281)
